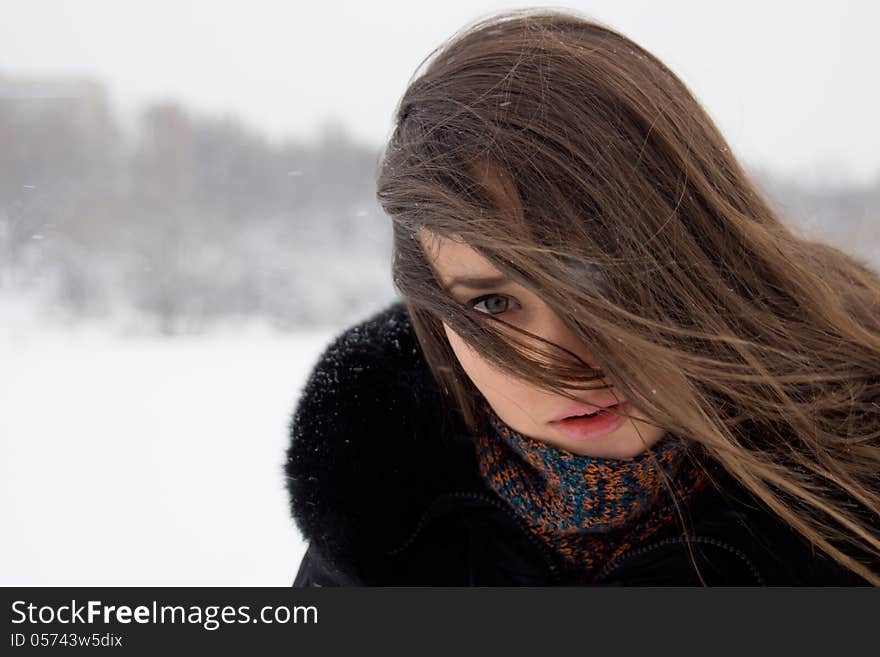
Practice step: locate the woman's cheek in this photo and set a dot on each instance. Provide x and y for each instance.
(471, 362)
(463, 353)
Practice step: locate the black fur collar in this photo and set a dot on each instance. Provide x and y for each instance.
(372, 441)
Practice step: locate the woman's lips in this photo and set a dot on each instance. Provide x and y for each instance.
(584, 409)
(593, 426)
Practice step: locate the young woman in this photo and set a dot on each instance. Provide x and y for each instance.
(612, 363)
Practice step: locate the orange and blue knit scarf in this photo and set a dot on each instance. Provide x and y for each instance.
(587, 509)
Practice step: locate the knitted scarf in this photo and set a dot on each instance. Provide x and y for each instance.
(589, 510)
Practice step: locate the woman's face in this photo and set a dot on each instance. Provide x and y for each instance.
(525, 408)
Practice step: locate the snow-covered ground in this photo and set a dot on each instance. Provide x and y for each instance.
(147, 461)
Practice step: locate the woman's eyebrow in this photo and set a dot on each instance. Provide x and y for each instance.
(478, 282)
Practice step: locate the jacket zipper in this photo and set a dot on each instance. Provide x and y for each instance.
(615, 563)
(549, 558)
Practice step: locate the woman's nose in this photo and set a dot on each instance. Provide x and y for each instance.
(551, 328)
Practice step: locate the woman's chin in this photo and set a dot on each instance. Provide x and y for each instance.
(625, 444)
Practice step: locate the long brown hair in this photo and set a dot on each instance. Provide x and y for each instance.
(641, 230)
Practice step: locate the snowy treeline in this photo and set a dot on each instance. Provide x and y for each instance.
(186, 219)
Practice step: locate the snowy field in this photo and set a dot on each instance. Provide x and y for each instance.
(143, 461)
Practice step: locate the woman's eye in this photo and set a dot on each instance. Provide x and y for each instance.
(495, 304)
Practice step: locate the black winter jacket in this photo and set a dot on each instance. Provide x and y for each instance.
(385, 487)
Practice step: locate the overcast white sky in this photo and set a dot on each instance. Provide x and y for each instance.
(793, 85)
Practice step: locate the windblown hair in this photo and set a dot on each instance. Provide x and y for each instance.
(638, 227)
